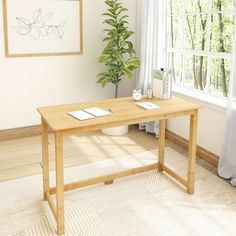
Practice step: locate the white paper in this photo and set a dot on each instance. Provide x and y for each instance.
(81, 115)
(97, 111)
(148, 105)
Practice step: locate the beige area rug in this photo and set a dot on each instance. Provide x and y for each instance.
(147, 204)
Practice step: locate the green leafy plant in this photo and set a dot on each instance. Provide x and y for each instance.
(119, 54)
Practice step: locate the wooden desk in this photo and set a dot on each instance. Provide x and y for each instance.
(125, 112)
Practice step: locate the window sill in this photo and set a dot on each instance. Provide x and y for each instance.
(206, 100)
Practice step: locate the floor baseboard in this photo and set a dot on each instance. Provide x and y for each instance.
(202, 153)
(21, 132)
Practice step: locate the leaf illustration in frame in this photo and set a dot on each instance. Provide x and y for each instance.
(58, 30)
(46, 18)
(23, 22)
(62, 24)
(23, 30)
(37, 16)
(35, 32)
(46, 30)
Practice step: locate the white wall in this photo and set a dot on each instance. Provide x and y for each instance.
(27, 83)
(211, 126)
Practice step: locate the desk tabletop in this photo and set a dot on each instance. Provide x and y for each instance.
(124, 112)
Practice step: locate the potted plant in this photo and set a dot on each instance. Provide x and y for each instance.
(119, 55)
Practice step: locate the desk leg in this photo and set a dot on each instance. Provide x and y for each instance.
(45, 161)
(59, 183)
(192, 152)
(161, 144)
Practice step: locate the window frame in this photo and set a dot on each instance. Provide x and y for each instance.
(185, 52)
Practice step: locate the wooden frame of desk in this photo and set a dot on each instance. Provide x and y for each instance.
(124, 112)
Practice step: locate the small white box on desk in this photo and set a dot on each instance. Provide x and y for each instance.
(158, 83)
(158, 88)
(162, 84)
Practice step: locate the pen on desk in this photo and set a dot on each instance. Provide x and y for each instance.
(110, 110)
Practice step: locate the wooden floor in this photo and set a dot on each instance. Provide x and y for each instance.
(22, 157)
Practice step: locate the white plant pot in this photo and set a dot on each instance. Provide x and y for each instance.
(116, 131)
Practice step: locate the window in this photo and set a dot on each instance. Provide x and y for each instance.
(199, 45)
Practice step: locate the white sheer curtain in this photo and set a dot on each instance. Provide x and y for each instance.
(227, 164)
(152, 47)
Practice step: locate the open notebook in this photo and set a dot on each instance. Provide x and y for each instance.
(89, 113)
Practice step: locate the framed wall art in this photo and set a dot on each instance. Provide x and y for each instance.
(43, 27)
